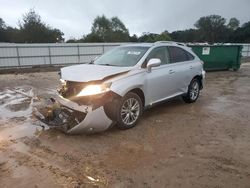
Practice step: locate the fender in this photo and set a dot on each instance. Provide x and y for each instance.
(132, 82)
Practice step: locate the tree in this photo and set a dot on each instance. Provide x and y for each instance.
(101, 28)
(6, 33)
(55, 35)
(2, 24)
(212, 28)
(233, 23)
(152, 37)
(92, 37)
(133, 38)
(119, 32)
(107, 30)
(242, 34)
(13, 35)
(117, 25)
(33, 30)
(147, 37)
(2, 31)
(189, 35)
(164, 36)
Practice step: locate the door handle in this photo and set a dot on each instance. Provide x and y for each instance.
(191, 67)
(171, 71)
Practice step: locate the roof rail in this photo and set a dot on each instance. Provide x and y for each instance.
(170, 42)
(159, 42)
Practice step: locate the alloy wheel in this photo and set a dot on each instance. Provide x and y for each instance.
(130, 111)
(194, 90)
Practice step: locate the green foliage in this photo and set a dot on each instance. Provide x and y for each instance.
(92, 37)
(72, 40)
(151, 37)
(2, 30)
(164, 36)
(133, 38)
(189, 35)
(12, 35)
(31, 30)
(107, 30)
(242, 34)
(212, 28)
(233, 23)
(8, 34)
(101, 28)
(147, 37)
(2, 24)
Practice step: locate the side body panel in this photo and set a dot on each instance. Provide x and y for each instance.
(163, 82)
(160, 83)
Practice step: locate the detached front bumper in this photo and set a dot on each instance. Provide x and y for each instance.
(74, 118)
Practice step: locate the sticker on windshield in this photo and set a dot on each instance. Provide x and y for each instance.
(134, 53)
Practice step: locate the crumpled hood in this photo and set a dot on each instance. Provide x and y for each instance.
(90, 72)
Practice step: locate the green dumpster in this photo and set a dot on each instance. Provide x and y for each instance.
(219, 57)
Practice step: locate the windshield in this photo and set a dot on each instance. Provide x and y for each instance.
(126, 56)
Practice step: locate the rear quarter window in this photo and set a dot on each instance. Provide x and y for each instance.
(179, 55)
(190, 56)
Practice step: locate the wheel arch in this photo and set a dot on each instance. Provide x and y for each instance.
(140, 93)
(199, 78)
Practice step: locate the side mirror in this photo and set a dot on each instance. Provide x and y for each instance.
(94, 59)
(155, 62)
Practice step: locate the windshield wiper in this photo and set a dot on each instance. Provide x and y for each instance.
(106, 64)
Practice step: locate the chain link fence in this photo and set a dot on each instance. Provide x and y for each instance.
(35, 55)
(30, 55)
(246, 50)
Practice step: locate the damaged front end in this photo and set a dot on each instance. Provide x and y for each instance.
(75, 112)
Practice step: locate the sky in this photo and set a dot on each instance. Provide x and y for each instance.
(75, 17)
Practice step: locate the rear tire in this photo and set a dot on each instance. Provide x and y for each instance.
(193, 91)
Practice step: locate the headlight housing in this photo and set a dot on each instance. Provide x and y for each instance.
(94, 89)
(63, 82)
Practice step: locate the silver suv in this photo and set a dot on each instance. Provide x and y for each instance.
(117, 87)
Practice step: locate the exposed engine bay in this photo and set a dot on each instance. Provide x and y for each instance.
(73, 114)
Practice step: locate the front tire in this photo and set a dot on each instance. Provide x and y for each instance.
(129, 111)
(193, 91)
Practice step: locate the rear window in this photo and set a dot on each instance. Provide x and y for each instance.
(178, 54)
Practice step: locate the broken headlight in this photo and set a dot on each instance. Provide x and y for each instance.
(63, 82)
(94, 89)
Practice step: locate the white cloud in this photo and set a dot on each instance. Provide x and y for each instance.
(75, 17)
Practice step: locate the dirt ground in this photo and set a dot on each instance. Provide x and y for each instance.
(205, 144)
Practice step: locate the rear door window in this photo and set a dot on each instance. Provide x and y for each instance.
(179, 55)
